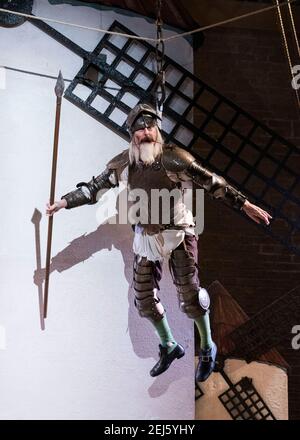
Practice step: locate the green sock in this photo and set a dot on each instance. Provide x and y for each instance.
(203, 326)
(165, 334)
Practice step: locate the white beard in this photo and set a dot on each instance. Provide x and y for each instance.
(146, 152)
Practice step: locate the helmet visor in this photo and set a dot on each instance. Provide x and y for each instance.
(143, 121)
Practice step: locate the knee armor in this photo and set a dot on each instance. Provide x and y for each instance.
(193, 300)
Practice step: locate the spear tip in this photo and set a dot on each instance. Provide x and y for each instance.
(60, 85)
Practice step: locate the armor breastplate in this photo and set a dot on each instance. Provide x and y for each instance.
(147, 178)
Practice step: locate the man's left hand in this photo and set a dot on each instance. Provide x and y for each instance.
(256, 213)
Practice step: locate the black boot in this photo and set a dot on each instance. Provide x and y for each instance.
(206, 364)
(166, 359)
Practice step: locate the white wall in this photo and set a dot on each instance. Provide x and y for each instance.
(93, 359)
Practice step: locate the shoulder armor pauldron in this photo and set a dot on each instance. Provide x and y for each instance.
(176, 159)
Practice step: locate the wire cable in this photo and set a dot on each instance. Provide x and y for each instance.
(155, 40)
(52, 20)
(44, 75)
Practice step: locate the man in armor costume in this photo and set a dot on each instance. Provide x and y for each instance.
(149, 164)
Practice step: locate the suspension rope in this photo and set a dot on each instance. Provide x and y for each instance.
(229, 20)
(160, 89)
(286, 46)
(294, 28)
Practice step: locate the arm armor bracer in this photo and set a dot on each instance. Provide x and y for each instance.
(215, 185)
(87, 191)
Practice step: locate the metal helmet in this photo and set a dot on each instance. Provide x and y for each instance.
(141, 116)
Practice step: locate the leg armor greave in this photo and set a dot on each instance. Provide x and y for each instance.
(193, 300)
(146, 275)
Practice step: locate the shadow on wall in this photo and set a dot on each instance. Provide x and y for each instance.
(141, 332)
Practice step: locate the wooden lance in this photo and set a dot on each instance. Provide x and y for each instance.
(59, 90)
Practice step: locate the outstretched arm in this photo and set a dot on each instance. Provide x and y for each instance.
(86, 194)
(256, 213)
(216, 185)
(179, 161)
(219, 188)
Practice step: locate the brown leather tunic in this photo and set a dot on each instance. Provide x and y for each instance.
(147, 178)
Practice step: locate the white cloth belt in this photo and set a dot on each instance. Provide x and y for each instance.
(158, 246)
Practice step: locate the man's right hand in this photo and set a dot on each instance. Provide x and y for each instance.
(57, 205)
